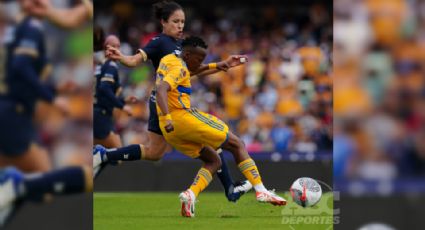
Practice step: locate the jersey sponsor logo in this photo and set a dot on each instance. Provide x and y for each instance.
(125, 156)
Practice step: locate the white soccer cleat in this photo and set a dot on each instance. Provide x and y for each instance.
(98, 155)
(237, 190)
(270, 197)
(187, 199)
(10, 179)
(243, 187)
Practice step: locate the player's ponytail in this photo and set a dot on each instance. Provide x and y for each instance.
(163, 10)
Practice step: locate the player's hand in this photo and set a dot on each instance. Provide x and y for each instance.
(41, 7)
(67, 87)
(235, 60)
(169, 126)
(131, 100)
(113, 53)
(127, 109)
(223, 66)
(62, 105)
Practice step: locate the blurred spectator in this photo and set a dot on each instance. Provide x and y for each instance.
(379, 82)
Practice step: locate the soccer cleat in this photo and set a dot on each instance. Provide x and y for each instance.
(270, 197)
(187, 199)
(99, 159)
(238, 189)
(10, 180)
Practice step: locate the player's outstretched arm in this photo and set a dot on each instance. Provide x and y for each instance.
(69, 18)
(129, 61)
(230, 62)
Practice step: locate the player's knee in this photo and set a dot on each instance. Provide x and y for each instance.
(236, 143)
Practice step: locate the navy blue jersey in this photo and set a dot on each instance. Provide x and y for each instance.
(108, 87)
(155, 50)
(160, 46)
(26, 67)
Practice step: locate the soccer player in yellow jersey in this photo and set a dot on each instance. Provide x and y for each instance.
(197, 134)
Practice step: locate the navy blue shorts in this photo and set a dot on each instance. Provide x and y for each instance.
(153, 124)
(17, 130)
(103, 123)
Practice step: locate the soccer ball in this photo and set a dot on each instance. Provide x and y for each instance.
(306, 191)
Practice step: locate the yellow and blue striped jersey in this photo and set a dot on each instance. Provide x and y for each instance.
(173, 70)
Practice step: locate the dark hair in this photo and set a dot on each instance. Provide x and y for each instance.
(194, 41)
(98, 38)
(163, 10)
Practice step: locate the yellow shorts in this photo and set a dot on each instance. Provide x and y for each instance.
(193, 130)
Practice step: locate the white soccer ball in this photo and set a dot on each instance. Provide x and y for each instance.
(306, 191)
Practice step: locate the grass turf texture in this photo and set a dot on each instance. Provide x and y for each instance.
(155, 210)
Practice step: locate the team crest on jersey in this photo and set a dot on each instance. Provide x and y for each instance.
(162, 66)
(182, 72)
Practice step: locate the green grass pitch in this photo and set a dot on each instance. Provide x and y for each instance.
(155, 210)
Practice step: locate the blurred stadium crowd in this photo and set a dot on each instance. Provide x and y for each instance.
(281, 100)
(67, 136)
(379, 79)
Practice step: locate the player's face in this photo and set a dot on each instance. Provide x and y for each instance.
(175, 24)
(194, 58)
(115, 43)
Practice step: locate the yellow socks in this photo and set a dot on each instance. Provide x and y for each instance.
(250, 171)
(202, 179)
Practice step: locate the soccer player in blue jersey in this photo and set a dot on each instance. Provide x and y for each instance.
(107, 97)
(172, 19)
(25, 67)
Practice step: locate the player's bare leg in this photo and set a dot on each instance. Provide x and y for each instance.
(249, 170)
(155, 150)
(35, 159)
(156, 147)
(211, 164)
(113, 140)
